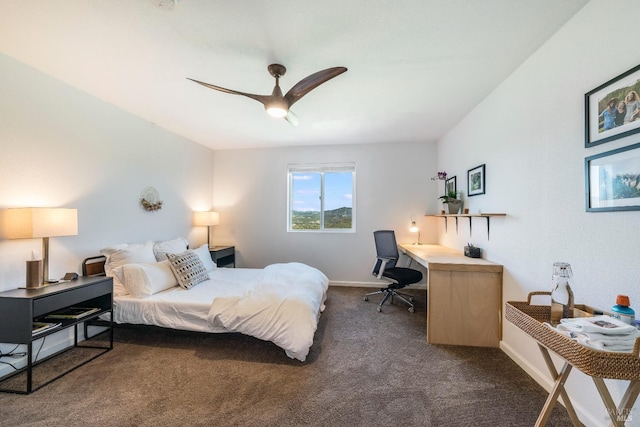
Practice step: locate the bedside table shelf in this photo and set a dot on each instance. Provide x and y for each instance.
(223, 256)
(20, 308)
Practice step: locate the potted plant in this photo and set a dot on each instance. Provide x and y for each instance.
(451, 200)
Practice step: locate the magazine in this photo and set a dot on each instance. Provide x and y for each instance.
(39, 327)
(72, 313)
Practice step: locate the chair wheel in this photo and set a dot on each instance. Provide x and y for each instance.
(412, 299)
(411, 310)
(379, 309)
(366, 298)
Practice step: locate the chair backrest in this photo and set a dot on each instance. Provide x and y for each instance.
(386, 247)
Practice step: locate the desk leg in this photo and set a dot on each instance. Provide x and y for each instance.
(558, 389)
(618, 414)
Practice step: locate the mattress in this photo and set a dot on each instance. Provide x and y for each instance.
(178, 308)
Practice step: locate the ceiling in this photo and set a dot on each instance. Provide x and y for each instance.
(415, 67)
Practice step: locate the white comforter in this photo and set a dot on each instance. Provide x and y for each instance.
(283, 308)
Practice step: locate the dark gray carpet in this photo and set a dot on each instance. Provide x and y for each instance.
(365, 369)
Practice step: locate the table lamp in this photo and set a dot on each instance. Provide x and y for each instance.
(414, 229)
(206, 219)
(32, 223)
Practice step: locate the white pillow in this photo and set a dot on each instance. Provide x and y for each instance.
(175, 246)
(145, 279)
(119, 255)
(205, 256)
(118, 280)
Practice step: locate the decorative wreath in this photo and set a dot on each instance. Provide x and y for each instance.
(150, 200)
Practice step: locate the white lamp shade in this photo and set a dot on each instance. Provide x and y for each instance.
(30, 223)
(206, 218)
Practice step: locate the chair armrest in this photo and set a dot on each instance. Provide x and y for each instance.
(383, 264)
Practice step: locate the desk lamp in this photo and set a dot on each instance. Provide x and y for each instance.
(32, 223)
(206, 219)
(414, 229)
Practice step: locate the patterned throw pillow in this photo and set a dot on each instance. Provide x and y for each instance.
(188, 269)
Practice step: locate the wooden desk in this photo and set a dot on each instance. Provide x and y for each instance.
(464, 296)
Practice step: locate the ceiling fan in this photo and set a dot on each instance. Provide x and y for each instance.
(276, 104)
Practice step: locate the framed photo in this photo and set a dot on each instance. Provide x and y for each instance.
(450, 185)
(612, 110)
(475, 181)
(612, 180)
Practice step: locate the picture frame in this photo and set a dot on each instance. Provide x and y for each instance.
(597, 101)
(476, 181)
(612, 180)
(450, 185)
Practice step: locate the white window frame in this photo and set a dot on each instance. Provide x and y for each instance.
(321, 168)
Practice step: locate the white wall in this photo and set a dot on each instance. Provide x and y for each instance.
(529, 132)
(392, 186)
(63, 148)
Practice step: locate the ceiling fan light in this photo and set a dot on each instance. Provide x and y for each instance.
(276, 111)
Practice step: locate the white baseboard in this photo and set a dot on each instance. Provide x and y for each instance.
(376, 285)
(42, 348)
(545, 381)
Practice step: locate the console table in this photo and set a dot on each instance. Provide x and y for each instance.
(20, 308)
(464, 296)
(599, 365)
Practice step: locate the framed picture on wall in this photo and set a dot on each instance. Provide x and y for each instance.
(612, 110)
(450, 185)
(475, 181)
(612, 180)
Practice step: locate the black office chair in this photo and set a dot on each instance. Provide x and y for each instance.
(385, 267)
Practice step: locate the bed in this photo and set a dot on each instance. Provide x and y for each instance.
(280, 303)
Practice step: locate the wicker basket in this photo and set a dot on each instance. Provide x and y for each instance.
(601, 364)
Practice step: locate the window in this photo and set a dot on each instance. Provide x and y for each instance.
(322, 197)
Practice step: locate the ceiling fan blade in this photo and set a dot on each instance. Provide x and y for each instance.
(292, 119)
(309, 83)
(264, 99)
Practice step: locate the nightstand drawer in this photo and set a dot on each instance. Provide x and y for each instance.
(221, 253)
(223, 256)
(84, 293)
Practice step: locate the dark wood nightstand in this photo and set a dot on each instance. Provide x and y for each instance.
(223, 256)
(20, 308)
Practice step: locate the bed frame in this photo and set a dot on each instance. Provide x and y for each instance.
(94, 266)
(292, 336)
